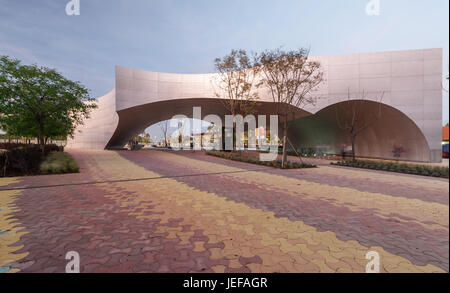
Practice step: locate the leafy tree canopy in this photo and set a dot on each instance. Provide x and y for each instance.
(40, 102)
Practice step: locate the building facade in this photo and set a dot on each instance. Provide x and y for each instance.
(410, 83)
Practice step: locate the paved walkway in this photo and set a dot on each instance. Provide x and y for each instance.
(156, 211)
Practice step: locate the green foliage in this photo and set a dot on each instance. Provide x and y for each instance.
(22, 159)
(399, 168)
(144, 138)
(59, 163)
(255, 160)
(39, 102)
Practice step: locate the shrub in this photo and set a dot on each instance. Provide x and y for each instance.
(73, 167)
(59, 163)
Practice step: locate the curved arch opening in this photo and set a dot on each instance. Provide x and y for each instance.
(392, 131)
(135, 120)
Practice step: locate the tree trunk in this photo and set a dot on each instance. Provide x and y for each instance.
(223, 142)
(234, 136)
(42, 139)
(284, 159)
(353, 148)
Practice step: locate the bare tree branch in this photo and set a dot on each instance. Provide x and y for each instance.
(350, 116)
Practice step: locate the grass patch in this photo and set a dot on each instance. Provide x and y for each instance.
(256, 161)
(441, 172)
(59, 163)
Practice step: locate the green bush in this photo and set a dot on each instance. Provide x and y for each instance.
(23, 159)
(398, 168)
(59, 163)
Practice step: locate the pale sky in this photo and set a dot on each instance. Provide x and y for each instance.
(184, 36)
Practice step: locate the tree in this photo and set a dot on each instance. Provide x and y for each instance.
(143, 138)
(164, 126)
(351, 117)
(40, 102)
(147, 138)
(290, 78)
(236, 84)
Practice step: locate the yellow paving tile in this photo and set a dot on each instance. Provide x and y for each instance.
(219, 269)
(7, 206)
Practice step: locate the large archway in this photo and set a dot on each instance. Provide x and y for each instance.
(135, 120)
(392, 129)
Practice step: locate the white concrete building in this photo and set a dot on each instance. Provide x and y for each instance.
(410, 81)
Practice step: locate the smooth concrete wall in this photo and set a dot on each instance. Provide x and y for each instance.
(100, 127)
(410, 81)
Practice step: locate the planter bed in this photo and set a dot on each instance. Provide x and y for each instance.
(26, 160)
(256, 161)
(422, 170)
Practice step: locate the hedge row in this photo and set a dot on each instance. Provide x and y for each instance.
(12, 145)
(23, 159)
(255, 160)
(398, 168)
